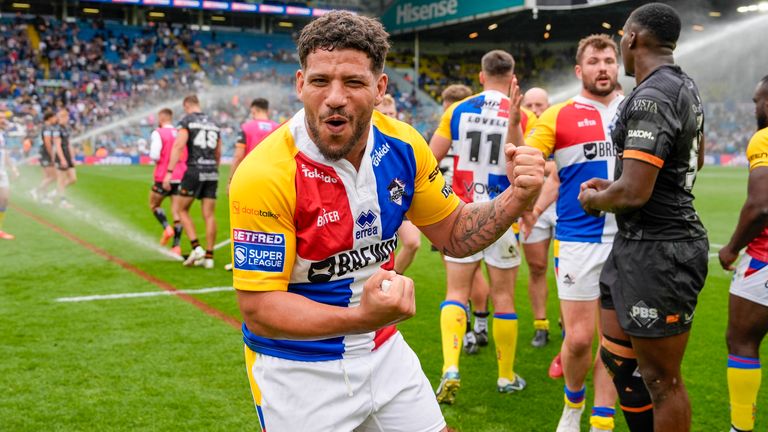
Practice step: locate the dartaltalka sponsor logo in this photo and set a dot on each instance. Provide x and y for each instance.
(409, 14)
(313, 173)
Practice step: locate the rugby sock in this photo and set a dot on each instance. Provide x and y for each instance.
(481, 321)
(194, 243)
(635, 400)
(541, 324)
(209, 254)
(160, 216)
(602, 418)
(177, 228)
(453, 321)
(2, 217)
(505, 339)
(743, 384)
(574, 399)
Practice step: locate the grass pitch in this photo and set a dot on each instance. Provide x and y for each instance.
(161, 364)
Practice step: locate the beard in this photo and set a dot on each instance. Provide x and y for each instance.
(762, 120)
(592, 87)
(330, 152)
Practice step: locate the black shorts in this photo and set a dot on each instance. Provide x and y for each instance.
(654, 285)
(68, 158)
(199, 184)
(45, 159)
(158, 188)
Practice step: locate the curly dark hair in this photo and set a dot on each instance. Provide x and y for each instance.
(661, 20)
(345, 30)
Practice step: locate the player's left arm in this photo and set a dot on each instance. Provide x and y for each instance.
(176, 151)
(629, 193)
(441, 140)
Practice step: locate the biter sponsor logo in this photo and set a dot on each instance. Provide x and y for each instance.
(586, 123)
(258, 251)
(379, 153)
(313, 173)
(328, 217)
(346, 262)
(366, 221)
(641, 134)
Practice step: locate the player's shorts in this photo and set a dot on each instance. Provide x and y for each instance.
(750, 281)
(504, 253)
(654, 285)
(45, 159)
(67, 157)
(4, 183)
(199, 184)
(385, 390)
(158, 188)
(577, 269)
(545, 226)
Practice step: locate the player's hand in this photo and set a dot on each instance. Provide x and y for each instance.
(167, 181)
(380, 308)
(727, 257)
(584, 196)
(597, 184)
(525, 170)
(527, 221)
(515, 98)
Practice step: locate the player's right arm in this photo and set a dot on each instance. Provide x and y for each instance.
(754, 215)
(238, 156)
(441, 140)
(267, 307)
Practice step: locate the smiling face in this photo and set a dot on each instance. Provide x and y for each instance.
(598, 71)
(339, 90)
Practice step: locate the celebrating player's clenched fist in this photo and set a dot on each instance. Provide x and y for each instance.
(381, 307)
(525, 170)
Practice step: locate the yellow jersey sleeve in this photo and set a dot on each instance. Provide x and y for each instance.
(542, 133)
(262, 200)
(444, 129)
(530, 121)
(433, 198)
(757, 150)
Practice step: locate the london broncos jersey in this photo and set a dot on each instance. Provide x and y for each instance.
(319, 228)
(202, 141)
(757, 154)
(662, 123)
(477, 128)
(577, 133)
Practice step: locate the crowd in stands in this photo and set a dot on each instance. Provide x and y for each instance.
(103, 71)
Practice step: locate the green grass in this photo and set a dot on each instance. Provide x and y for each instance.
(159, 363)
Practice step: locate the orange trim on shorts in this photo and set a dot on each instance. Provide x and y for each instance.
(637, 410)
(643, 156)
(617, 349)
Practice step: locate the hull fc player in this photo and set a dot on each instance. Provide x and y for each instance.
(477, 128)
(748, 309)
(63, 155)
(161, 144)
(314, 214)
(202, 139)
(47, 134)
(577, 133)
(651, 281)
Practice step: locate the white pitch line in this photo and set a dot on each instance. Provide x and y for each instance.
(712, 255)
(221, 244)
(140, 294)
(715, 245)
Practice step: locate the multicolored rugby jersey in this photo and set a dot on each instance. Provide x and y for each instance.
(319, 228)
(757, 154)
(577, 133)
(477, 128)
(253, 132)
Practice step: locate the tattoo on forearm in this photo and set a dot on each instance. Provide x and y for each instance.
(477, 227)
